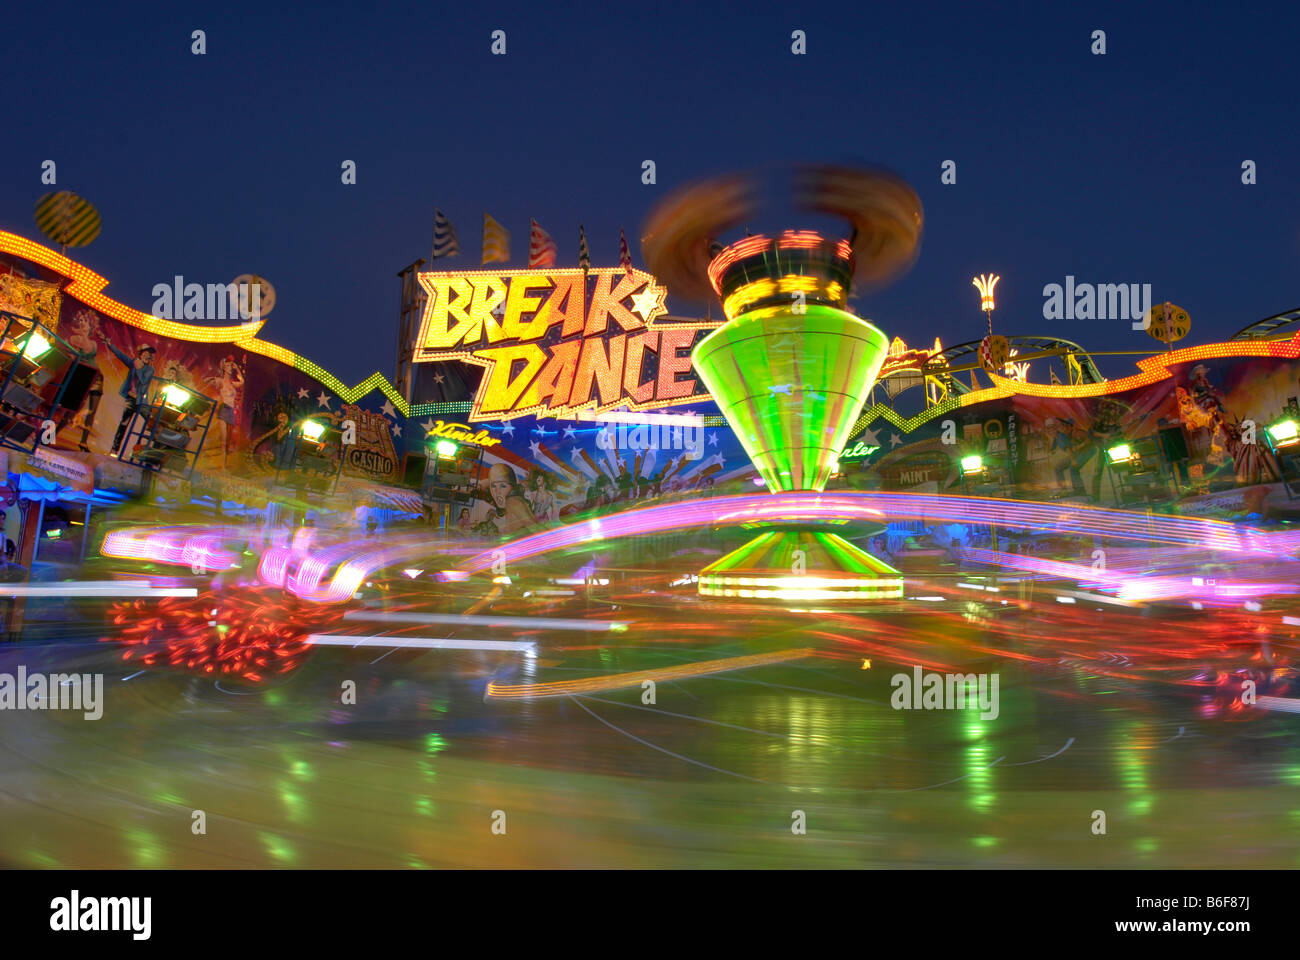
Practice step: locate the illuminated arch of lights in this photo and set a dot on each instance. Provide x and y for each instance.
(1152, 369)
(87, 287)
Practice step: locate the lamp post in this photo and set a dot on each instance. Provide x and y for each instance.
(985, 283)
(994, 350)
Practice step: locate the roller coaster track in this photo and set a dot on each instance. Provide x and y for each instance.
(965, 356)
(1267, 329)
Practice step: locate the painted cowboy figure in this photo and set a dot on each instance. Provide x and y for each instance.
(135, 388)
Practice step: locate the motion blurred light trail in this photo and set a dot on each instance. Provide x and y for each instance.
(199, 548)
(616, 681)
(1132, 585)
(805, 507)
(537, 623)
(92, 588)
(418, 643)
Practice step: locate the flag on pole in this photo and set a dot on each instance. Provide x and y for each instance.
(541, 248)
(624, 256)
(584, 255)
(1055, 379)
(496, 241)
(445, 242)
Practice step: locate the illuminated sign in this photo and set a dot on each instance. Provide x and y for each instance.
(462, 434)
(914, 470)
(373, 456)
(557, 341)
(858, 451)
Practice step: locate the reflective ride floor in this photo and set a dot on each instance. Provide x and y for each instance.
(1101, 709)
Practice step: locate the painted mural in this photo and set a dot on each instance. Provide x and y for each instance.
(1194, 432)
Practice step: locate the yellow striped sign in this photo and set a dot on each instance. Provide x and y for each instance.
(67, 219)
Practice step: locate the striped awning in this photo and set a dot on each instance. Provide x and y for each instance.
(403, 500)
(406, 502)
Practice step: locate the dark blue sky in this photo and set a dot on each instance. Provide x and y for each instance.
(1117, 168)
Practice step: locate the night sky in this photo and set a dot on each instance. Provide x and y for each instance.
(1123, 168)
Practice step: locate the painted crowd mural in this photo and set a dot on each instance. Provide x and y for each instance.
(1197, 430)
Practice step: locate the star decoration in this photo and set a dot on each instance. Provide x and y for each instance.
(508, 428)
(428, 427)
(388, 409)
(869, 438)
(648, 301)
(713, 439)
(780, 388)
(323, 400)
(397, 430)
(438, 378)
(568, 431)
(534, 447)
(894, 440)
(302, 393)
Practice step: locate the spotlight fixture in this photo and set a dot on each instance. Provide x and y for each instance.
(446, 449)
(972, 464)
(1284, 433)
(1120, 453)
(176, 396)
(312, 430)
(36, 346)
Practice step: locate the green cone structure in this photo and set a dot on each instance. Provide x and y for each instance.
(791, 387)
(791, 377)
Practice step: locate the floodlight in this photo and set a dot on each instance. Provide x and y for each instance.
(1284, 433)
(36, 346)
(1120, 453)
(174, 395)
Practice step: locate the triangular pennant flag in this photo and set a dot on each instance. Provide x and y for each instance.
(584, 255)
(624, 255)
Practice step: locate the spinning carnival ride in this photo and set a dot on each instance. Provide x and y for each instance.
(792, 368)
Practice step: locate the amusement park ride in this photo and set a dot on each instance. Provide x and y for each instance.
(792, 368)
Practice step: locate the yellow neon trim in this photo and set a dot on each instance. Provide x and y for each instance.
(1153, 369)
(87, 287)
